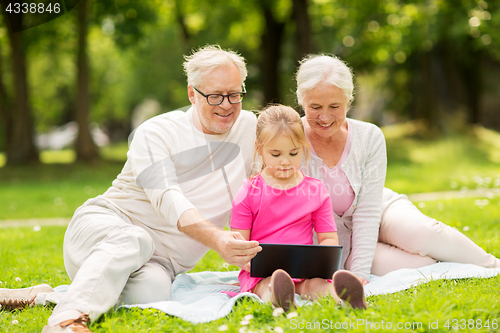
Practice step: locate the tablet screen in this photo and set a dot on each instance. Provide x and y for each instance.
(300, 261)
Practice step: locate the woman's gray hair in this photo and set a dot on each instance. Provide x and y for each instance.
(318, 68)
(208, 58)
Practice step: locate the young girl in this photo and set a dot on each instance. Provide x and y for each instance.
(282, 205)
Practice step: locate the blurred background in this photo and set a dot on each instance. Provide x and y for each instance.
(87, 78)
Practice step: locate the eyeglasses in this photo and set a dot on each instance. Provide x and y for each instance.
(216, 99)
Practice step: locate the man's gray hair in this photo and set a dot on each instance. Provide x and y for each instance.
(315, 69)
(208, 58)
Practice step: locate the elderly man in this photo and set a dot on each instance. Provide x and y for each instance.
(167, 207)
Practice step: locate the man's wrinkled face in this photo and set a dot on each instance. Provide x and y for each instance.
(216, 119)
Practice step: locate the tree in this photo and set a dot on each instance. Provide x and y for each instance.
(272, 40)
(128, 17)
(5, 104)
(16, 112)
(180, 17)
(431, 53)
(302, 28)
(85, 147)
(260, 30)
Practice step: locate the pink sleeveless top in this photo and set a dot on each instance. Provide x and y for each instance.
(336, 182)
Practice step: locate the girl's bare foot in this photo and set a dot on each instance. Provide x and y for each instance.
(348, 288)
(282, 290)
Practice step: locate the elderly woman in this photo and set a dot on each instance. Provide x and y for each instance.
(380, 230)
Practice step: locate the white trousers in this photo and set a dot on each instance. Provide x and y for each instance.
(110, 262)
(410, 239)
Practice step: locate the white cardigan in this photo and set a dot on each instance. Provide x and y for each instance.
(365, 167)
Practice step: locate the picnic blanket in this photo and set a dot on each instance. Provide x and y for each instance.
(201, 297)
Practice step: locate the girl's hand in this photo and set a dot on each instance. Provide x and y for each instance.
(328, 238)
(246, 267)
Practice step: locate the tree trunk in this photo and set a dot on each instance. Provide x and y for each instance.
(5, 109)
(271, 53)
(448, 89)
(302, 28)
(471, 70)
(20, 147)
(86, 149)
(425, 100)
(436, 88)
(181, 20)
(473, 77)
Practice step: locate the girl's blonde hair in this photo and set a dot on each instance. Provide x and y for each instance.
(276, 120)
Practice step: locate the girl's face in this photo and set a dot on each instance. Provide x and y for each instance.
(281, 157)
(326, 107)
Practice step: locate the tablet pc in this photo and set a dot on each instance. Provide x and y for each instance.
(300, 261)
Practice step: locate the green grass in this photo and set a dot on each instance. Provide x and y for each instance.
(30, 257)
(56, 187)
(451, 163)
(52, 190)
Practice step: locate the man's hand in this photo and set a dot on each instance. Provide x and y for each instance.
(234, 249)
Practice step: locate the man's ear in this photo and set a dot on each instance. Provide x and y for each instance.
(191, 94)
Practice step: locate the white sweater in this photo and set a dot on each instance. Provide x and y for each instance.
(172, 167)
(365, 167)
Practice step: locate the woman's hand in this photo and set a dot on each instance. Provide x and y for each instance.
(363, 281)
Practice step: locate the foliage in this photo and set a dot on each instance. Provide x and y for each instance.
(52, 71)
(431, 59)
(402, 38)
